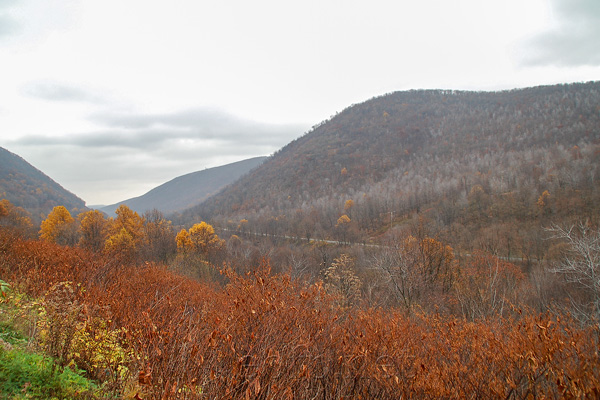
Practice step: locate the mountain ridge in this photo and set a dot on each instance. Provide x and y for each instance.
(435, 150)
(27, 187)
(190, 189)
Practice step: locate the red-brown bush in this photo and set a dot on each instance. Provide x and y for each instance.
(266, 336)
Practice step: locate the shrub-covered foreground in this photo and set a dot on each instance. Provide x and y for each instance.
(263, 336)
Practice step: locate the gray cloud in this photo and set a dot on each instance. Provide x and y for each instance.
(6, 3)
(149, 140)
(132, 153)
(8, 26)
(55, 91)
(575, 42)
(201, 124)
(196, 117)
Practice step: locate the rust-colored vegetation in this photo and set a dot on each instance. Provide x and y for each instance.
(266, 336)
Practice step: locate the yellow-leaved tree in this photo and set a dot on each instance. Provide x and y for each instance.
(183, 240)
(125, 233)
(348, 206)
(201, 238)
(198, 249)
(93, 230)
(59, 227)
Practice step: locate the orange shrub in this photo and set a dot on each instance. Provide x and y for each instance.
(266, 336)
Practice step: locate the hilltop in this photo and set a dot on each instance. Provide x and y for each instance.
(27, 187)
(188, 190)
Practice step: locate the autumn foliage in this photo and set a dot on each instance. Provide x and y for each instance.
(93, 229)
(266, 336)
(201, 238)
(59, 227)
(395, 251)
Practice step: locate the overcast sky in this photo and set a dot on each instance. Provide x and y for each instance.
(112, 98)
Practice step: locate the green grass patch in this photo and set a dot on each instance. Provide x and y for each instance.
(11, 336)
(25, 375)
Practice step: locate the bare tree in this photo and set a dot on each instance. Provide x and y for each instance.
(398, 271)
(581, 266)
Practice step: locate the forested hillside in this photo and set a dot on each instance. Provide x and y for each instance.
(476, 165)
(29, 188)
(188, 190)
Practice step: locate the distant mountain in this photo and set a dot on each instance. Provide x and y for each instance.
(27, 187)
(188, 190)
(473, 162)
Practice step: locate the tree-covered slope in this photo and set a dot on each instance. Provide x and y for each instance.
(27, 187)
(467, 158)
(188, 190)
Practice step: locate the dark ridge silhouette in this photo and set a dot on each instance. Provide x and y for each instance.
(27, 187)
(188, 190)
